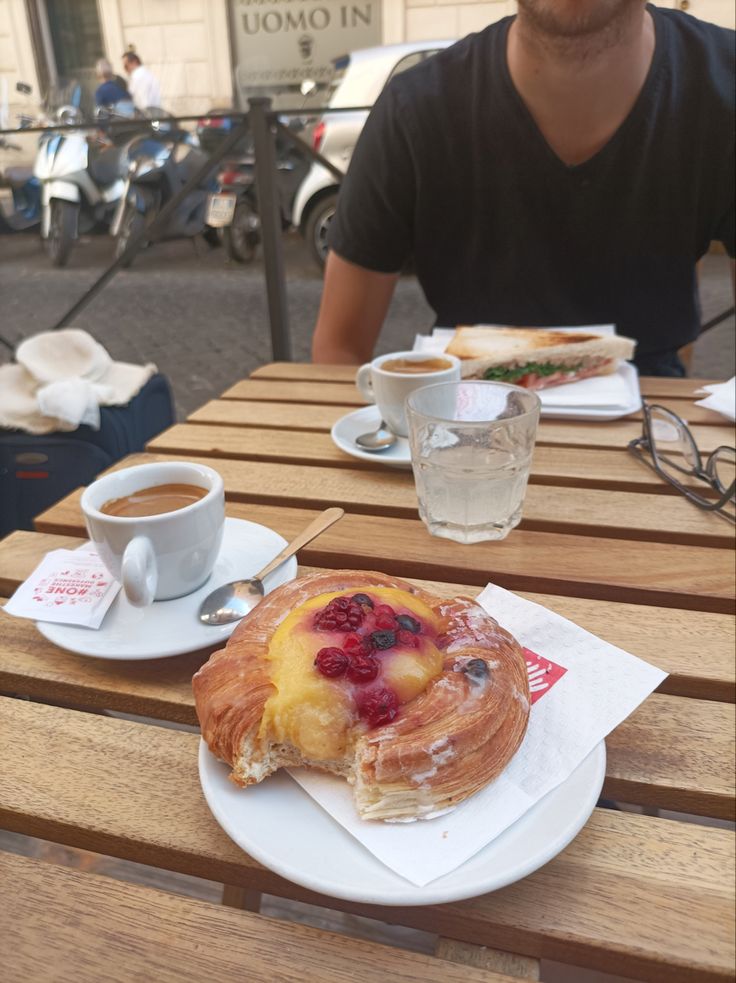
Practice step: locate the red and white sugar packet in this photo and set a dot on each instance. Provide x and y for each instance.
(68, 587)
(581, 688)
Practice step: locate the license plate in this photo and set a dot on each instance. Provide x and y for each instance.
(220, 209)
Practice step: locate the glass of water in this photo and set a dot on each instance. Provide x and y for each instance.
(471, 451)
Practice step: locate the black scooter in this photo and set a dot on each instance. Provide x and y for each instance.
(161, 162)
(234, 208)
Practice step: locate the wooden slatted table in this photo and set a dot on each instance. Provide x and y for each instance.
(603, 542)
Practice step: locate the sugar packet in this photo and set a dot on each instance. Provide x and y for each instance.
(68, 587)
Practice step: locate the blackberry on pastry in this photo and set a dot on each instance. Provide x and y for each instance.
(417, 701)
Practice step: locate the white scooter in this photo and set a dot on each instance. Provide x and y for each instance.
(79, 188)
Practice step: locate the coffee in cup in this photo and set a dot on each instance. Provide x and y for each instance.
(154, 501)
(388, 380)
(410, 366)
(157, 527)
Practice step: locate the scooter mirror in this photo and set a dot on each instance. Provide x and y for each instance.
(23, 87)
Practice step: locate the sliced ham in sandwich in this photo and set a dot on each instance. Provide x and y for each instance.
(536, 357)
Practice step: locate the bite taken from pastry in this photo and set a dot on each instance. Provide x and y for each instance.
(417, 701)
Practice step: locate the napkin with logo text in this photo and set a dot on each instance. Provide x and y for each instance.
(68, 587)
(581, 687)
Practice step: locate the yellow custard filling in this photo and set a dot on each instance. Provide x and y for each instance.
(319, 715)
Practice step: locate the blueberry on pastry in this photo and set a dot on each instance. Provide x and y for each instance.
(417, 701)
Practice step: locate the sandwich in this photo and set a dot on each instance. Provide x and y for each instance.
(536, 357)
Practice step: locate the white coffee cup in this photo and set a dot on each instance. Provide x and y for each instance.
(389, 389)
(157, 557)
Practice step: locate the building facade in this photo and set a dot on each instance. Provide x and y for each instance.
(215, 53)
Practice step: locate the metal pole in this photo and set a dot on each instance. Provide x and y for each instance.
(269, 209)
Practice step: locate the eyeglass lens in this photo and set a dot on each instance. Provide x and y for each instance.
(672, 443)
(722, 468)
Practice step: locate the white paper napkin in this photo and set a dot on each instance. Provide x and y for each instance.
(605, 392)
(590, 688)
(722, 398)
(68, 587)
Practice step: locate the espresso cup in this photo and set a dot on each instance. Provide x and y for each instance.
(384, 383)
(157, 557)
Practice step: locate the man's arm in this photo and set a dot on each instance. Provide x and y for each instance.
(354, 305)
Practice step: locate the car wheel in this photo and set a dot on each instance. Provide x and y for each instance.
(317, 227)
(62, 230)
(243, 235)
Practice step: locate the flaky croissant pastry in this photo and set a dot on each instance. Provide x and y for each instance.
(418, 701)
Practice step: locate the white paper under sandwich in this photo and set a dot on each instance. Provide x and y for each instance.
(595, 687)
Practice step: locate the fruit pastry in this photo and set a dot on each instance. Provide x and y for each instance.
(417, 701)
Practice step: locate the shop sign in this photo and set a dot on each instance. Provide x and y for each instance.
(281, 42)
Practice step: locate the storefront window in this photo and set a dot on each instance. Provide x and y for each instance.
(76, 42)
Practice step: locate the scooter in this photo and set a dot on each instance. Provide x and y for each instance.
(81, 182)
(25, 192)
(234, 209)
(25, 189)
(160, 163)
(234, 206)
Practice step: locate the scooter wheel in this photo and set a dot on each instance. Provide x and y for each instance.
(62, 230)
(131, 224)
(243, 235)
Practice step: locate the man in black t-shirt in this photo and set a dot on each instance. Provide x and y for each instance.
(568, 166)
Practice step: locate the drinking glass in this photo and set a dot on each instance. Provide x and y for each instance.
(471, 451)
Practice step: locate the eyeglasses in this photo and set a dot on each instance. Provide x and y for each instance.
(668, 447)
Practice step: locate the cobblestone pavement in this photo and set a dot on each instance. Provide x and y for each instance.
(204, 320)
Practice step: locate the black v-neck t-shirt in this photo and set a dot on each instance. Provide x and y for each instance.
(451, 171)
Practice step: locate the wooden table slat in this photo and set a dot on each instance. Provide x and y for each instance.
(130, 790)
(645, 573)
(122, 932)
(316, 418)
(696, 648)
(695, 775)
(651, 386)
(547, 508)
(580, 467)
(349, 397)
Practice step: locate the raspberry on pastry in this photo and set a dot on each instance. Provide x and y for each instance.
(417, 701)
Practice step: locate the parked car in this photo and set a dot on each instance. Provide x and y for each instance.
(358, 81)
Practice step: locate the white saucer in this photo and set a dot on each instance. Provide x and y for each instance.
(282, 827)
(625, 379)
(360, 421)
(167, 628)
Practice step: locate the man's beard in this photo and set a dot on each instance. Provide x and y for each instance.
(559, 20)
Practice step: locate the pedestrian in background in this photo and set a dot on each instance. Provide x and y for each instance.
(112, 89)
(143, 85)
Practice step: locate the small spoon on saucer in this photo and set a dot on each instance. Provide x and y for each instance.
(233, 601)
(379, 439)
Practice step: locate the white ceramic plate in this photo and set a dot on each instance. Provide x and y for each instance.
(282, 827)
(167, 628)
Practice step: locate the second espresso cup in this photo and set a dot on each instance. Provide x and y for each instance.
(388, 380)
(160, 556)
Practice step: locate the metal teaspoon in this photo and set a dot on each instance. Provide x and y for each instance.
(379, 439)
(233, 601)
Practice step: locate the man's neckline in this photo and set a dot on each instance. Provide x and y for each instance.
(643, 98)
